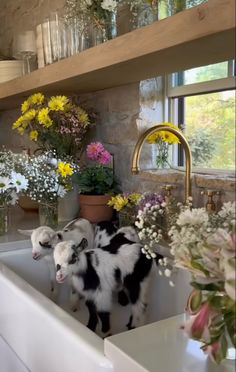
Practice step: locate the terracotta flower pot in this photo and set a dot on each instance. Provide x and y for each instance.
(94, 208)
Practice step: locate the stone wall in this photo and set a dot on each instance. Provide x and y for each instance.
(124, 113)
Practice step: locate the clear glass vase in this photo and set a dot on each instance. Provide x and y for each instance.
(48, 214)
(127, 217)
(3, 220)
(162, 156)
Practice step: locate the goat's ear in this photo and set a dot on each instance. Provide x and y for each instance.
(25, 232)
(83, 244)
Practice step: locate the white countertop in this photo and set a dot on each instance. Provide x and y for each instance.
(160, 347)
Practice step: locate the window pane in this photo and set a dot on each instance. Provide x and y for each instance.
(210, 129)
(200, 74)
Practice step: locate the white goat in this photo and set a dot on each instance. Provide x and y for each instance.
(97, 273)
(44, 240)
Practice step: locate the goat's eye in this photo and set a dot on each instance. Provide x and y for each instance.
(73, 259)
(45, 245)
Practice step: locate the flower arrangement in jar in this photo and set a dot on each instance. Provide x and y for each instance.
(100, 13)
(126, 206)
(12, 183)
(49, 179)
(204, 245)
(163, 140)
(55, 124)
(150, 222)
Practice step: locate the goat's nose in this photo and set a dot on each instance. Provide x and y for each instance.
(58, 267)
(36, 255)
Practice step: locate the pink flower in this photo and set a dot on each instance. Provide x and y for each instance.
(214, 351)
(94, 150)
(104, 158)
(201, 321)
(197, 326)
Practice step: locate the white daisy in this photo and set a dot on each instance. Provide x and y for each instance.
(4, 184)
(19, 182)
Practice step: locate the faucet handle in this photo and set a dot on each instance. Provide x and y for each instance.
(210, 204)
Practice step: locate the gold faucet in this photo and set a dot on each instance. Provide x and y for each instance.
(157, 128)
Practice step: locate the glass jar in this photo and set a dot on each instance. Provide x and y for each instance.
(127, 217)
(48, 214)
(3, 219)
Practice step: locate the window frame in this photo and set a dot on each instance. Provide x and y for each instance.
(175, 113)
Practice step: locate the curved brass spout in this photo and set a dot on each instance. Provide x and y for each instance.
(157, 128)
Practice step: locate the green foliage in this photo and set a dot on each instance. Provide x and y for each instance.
(202, 146)
(97, 180)
(215, 115)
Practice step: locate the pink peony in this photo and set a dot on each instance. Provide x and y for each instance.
(104, 158)
(94, 150)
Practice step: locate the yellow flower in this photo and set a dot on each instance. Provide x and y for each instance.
(18, 122)
(58, 103)
(153, 138)
(21, 130)
(65, 169)
(118, 202)
(25, 106)
(135, 197)
(44, 118)
(165, 136)
(34, 135)
(37, 98)
(30, 115)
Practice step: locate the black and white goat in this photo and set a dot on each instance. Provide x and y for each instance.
(44, 239)
(98, 273)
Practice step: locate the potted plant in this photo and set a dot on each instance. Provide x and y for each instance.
(96, 184)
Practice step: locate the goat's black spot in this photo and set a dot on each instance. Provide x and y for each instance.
(117, 275)
(90, 276)
(99, 245)
(73, 259)
(45, 245)
(123, 298)
(108, 226)
(58, 267)
(132, 281)
(116, 242)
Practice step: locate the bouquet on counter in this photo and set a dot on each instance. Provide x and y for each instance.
(204, 245)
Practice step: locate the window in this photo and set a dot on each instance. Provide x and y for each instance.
(203, 101)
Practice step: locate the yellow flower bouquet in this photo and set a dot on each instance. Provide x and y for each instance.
(163, 139)
(125, 204)
(55, 123)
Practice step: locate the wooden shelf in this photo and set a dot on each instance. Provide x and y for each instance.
(194, 37)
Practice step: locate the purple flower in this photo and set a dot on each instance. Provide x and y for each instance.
(152, 199)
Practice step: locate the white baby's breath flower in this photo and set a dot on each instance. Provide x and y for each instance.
(109, 5)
